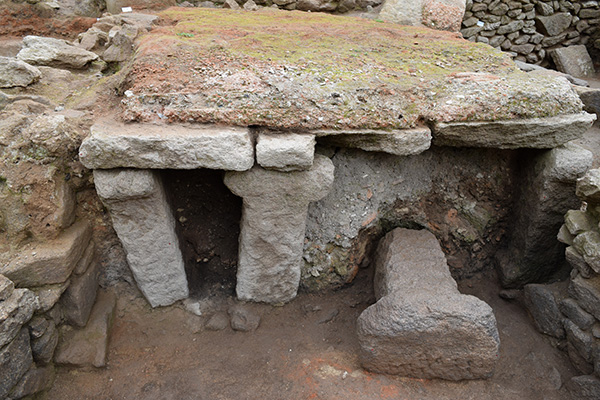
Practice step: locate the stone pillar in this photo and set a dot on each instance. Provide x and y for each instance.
(273, 227)
(145, 225)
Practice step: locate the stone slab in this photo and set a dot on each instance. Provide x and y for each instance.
(15, 72)
(15, 360)
(52, 52)
(285, 151)
(50, 262)
(539, 133)
(542, 302)
(88, 346)
(583, 342)
(587, 293)
(14, 312)
(405, 142)
(144, 222)
(273, 227)
(78, 299)
(576, 314)
(86, 259)
(578, 221)
(574, 60)
(149, 146)
(421, 325)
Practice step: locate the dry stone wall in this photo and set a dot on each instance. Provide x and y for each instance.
(530, 29)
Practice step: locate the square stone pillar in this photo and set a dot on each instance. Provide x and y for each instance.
(145, 225)
(273, 227)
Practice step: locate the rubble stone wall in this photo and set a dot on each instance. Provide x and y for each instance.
(530, 29)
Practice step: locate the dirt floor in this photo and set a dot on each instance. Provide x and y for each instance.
(303, 350)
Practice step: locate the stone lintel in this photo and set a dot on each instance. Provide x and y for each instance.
(400, 142)
(150, 146)
(538, 133)
(273, 227)
(146, 227)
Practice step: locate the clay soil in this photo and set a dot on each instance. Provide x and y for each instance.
(303, 350)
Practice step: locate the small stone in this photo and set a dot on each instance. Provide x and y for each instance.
(44, 346)
(329, 316)
(576, 261)
(78, 299)
(15, 72)
(15, 360)
(243, 319)
(49, 295)
(578, 222)
(578, 361)
(588, 245)
(564, 236)
(582, 341)
(588, 187)
(232, 4)
(193, 306)
(509, 294)
(37, 326)
(584, 387)
(587, 293)
(542, 303)
(217, 322)
(6, 287)
(573, 312)
(250, 5)
(15, 312)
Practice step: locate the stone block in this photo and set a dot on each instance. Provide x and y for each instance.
(243, 319)
(273, 227)
(587, 293)
(576, 261)
(578, 361)
(421, 326)
(574, 60)
(285, 151)
(590, 98)
(578, 222)
(15, 360)
(89, 346)
(398, 142)
(15, 72)
(49, 295)
(147, 146)
(15, 312)
(588, 187)
(35, 380)
(584, 387)
(54, 53)
(564, 236)
(44, 346)
(86, 259)
(78, 299)
(37, 326)
(436, 14)
(50, 262)
(6, 288)
(553, 25)
(582, 341)
(576, 314)
(539, 133)
(588, 245)
(542, 303)
(144, 223)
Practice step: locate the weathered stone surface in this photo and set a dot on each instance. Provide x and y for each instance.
(14, 312)
(542, 302)
(578, 222)
(402, 12)
(89, 346)
(54, 53)
(273, 226)
(436, 14)
(588, 245)
(573, 60)
(50, 262)
(564, 236)
(44, 346)
(540, 133)
(576, 261)
(398, 142)
(86, 259)
(588, 187)
(582, 341)
(578, 361)
(573, 312)
(35, 380)
(217, 322)
(6, 288)
(37, 326)
(15, 360)
(587, 293)
(78, 299)
(48, 295)
(113, 145)
(548, 193)
(554, 24)
(285, 152)
(243, 319)
(585, 387)
(590, 98)
(15, 72)
(421, 326)
(145, 225)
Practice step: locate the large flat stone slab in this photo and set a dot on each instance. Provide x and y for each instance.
(406, 142)
(538, 133)
(145, 225)
(51, 262)
(273, 226)
(421, 325)
(574, 60)
(148, 146)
